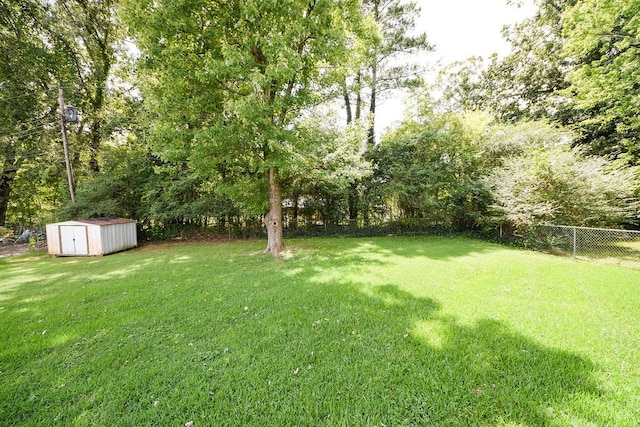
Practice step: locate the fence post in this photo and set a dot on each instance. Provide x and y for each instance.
(575, 241)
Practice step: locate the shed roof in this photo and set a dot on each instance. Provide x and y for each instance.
(105, 221)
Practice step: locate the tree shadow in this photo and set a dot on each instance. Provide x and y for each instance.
(430, 369)
(352, 354)
(298, 346)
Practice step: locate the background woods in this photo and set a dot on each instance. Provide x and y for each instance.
(260, 117)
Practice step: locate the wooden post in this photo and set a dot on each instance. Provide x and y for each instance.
(65, 144)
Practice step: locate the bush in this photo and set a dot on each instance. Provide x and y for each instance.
(549, 181)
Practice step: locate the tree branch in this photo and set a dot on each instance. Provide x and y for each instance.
(619, 35)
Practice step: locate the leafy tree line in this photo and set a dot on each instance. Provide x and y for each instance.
(69, 44)
(259, 117)
(574, 63)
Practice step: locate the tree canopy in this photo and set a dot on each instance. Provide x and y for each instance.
(258, 117)
(256, 66)
(604, 39)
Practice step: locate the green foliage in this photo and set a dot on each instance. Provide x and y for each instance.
(177, 196)
(88, 37)
(35, 194)
(460, 172)
(133, 184)
(574, 62)
(463, 86)
(329, 163)
(394, 331)
(233, 90)
(226, 84)
(605, 86)
(47, 45)
(525, 84)
(391, 60)
(5, 232)
(542, 179)
(429, 168)
(26, 103)
(117, 190)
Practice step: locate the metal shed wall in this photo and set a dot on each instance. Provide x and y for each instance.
(99, 236)
(53, 239)
(118, 237)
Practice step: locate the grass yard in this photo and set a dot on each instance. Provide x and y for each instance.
(355, 332)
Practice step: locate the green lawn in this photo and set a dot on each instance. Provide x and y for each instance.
(358, 332)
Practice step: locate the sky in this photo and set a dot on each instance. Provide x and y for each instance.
(464, 28)
(459, 29)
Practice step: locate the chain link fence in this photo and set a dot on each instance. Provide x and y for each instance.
(598, 243)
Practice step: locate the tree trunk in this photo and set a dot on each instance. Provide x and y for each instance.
(359, 96)
(273, 219)
(97, 106)
(8, 173)
(347, 103)
(94, 145)
(5, 191)
(353, 198)
(354, 201)
(371, 133)
(296, 208)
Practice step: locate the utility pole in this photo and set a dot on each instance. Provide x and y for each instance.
(65, 144)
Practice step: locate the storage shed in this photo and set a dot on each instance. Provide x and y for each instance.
(91, 237)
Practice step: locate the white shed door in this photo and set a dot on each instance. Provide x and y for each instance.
(73, 240)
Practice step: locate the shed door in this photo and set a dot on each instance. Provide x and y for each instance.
(73, 240)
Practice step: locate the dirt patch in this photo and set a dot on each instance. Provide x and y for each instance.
(19, 249)
(10, 250)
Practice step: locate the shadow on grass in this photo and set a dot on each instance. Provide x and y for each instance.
(335, 356)
(436, 371)
(288, 347)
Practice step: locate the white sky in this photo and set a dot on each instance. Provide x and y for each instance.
(464, 28)
(459, 29)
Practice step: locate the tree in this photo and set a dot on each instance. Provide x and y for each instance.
(228, 81)
(604, 37)
(386, 71)
(429, 167)
(539, 177)
(118, 189)
(574, 62)
(385, 63)
(47, 45)
(89, 36)
(526, 84)
(27, 104)
(327, 166)
(463, 86)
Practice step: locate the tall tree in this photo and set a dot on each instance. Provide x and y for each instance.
(231, 78)
(526, 84)
(463, 85)
(328, 166)
(388, 67)
(574, 62)
(428, 168)
(89, 35)
(388, 62)
(27, 104)
(604, 37)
